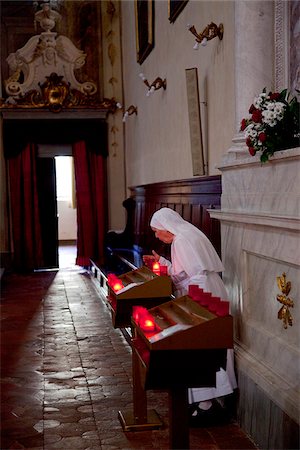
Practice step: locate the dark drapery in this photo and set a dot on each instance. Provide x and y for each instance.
(90, 197)
(90, 136)
(26, 231)
(17, 133)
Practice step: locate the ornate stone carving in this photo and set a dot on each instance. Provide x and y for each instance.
(55, 94)
(43, 70)
(47, 17)
(281, 45)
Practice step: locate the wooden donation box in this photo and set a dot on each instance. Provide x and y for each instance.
(177, 345)
(138, 287)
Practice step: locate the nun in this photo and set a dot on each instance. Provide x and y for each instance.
(195, 261)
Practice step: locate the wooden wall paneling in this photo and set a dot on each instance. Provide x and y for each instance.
(139, 221)
(196, 214)
(191, 198)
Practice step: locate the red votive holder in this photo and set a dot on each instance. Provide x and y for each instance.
(137, 312)
(193, 289)
(114, 282)
(163, 270)
(156, 268)
(213, 304)
(110, 278)
(117, 286)
(199, 295)
(222, 308)
(147, 324)
(143, 318)
(204, 298)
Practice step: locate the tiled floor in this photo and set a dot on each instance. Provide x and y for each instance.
(67, 252)
(66, 372)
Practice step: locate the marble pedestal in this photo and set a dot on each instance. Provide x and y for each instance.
(260, 228)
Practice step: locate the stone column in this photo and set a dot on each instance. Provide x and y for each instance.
(260, 237)
(254, 62)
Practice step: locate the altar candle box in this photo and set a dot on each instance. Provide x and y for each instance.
(139, 287)
(186, 346)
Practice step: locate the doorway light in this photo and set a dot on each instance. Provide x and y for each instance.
(64, 178)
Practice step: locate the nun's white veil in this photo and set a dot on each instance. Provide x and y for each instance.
(201, 251)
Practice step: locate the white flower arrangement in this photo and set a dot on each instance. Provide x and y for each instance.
(274, 124)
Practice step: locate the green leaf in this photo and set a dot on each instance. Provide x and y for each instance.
(264, 157)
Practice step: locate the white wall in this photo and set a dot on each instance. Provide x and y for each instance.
(67, 221)
(157, 140)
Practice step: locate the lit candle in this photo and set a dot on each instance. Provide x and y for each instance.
(114, 282)
(148, 324)
(117, 286)
(143, 318)
(156, 268)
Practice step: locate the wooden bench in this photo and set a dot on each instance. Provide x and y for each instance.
(192, 198)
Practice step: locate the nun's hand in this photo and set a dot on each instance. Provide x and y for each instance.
(149, 259)
(156, 256)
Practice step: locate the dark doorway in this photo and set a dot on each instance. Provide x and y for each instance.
(90, 136)
(46, 182)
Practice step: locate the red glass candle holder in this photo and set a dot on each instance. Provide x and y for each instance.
(137, 312)
(204, 298)
(156, 268)
(193, 289)
(213, 304)
(199, 295)
(143, 319)
(114, 282)
(163, 270)
(117, 286)
(222, 308)
(147, 324)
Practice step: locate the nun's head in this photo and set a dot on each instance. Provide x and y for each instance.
(163, 235)
(164, 223)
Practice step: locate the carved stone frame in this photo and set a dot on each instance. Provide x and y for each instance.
(287, 72)
(282, 39)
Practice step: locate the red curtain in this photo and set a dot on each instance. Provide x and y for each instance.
(90, 197)
(27, 241)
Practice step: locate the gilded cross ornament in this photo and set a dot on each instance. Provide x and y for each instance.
(284, 312)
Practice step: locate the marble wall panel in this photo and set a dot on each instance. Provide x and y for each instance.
(264, 420)
(273, 187)
(260, 231)
(277, 203)
(254, 255)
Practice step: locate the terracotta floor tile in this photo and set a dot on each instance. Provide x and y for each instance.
(66, 372)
